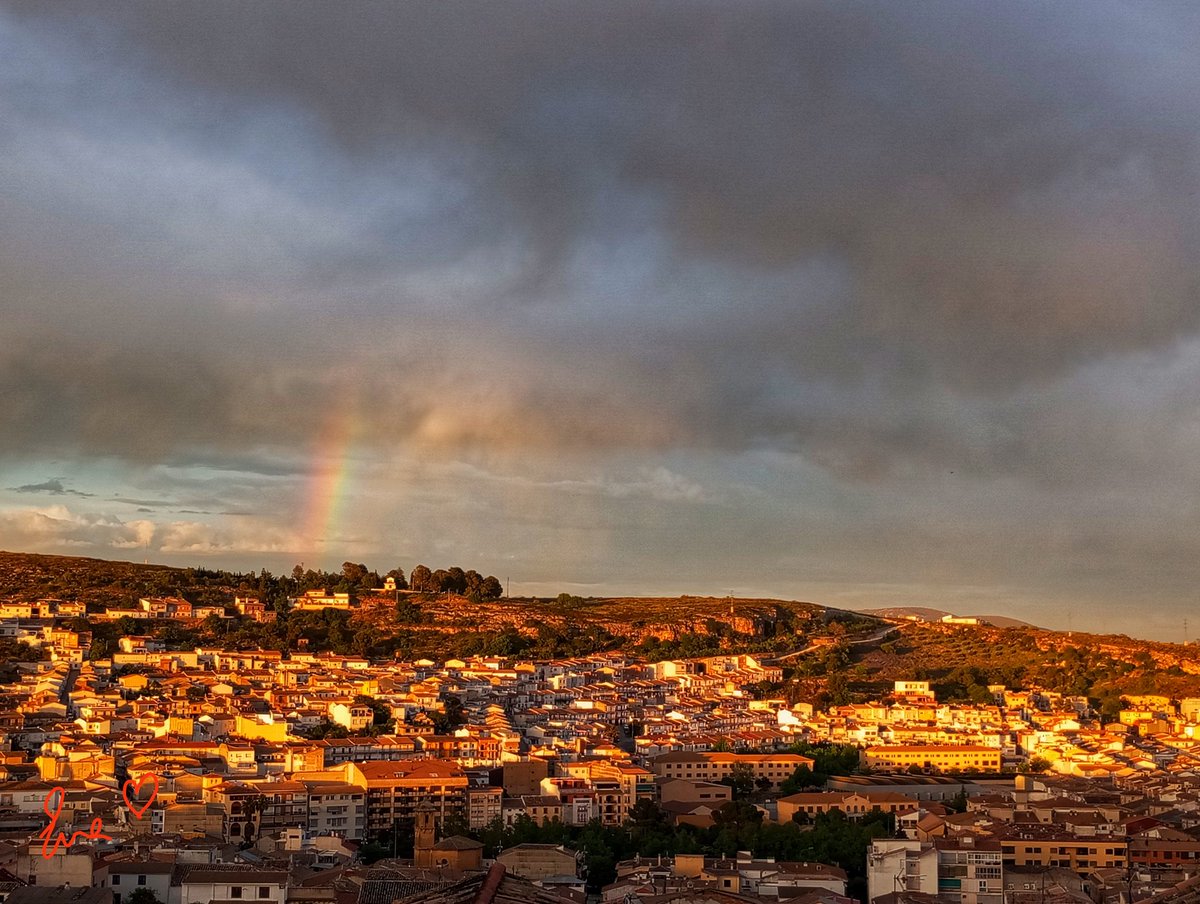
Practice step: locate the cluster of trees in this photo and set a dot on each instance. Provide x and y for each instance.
(550, 642)
(382, 723)
(332, 629)
(961, 664)
(470, 584)
(356, 577)
(738, 826)
(207, 585)
(828, 760)
(685, 646)
(14, 651)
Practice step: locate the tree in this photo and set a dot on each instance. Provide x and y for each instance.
(737, 814)
(829, 759)
(441, 581)
(407, 611)
(799, 780)
(473, 589)
(452, 715)
(381, 715)
(958, 803)
(741, 780)
(254, 807)
(646, 813)
(143, 895)
(397, 574)
(421, 579)
(1036, 764)
(355, 576)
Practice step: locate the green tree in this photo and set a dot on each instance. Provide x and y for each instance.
(829, 759)
(800, 780)
(381, 718)
(1036, 764)
(355, 576)
(646, 814)
(408, 612)
(737, 814)
(421, 579)
(958, 803)
(741, 780)
(143, 895)
(453, 714)
(254, 807)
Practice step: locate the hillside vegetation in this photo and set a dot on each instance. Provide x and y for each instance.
(962, 660)
(827, 654)
(413, 624)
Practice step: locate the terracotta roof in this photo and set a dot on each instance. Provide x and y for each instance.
(458, 843)
(494, 887)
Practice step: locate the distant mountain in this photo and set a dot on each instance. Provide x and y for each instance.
(923, 613)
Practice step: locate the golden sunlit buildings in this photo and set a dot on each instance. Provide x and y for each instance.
(773, 768)
(948, 758)
(315, 600)
(395, 790)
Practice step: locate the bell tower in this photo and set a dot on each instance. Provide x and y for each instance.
(424, 836)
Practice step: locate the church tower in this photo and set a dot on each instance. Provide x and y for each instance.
(424, 836)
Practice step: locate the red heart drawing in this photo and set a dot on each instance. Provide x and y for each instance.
(139, 812)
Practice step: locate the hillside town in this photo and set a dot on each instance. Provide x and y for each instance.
(189, 775)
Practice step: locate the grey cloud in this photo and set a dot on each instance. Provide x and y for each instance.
(54, 487)
(824, 201)
(940, 254)
(1007, 186)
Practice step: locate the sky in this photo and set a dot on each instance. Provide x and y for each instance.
(868, 304)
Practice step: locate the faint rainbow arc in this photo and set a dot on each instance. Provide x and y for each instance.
(329, 480)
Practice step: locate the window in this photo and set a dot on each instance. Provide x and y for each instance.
(141, 880)
(264, 891)
(235, 891)
(116, 880)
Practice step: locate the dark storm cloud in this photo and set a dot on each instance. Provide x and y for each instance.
(883, 236)
(54, 487)
(1010, 188)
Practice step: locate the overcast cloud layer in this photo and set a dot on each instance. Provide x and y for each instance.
(872, 304)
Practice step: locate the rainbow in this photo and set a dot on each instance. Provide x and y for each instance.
(328, 480)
